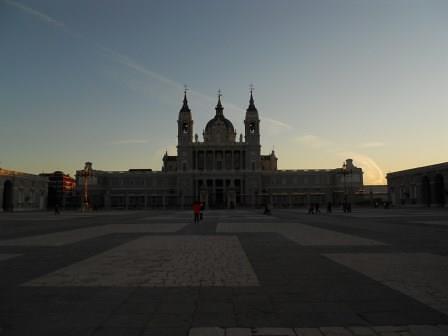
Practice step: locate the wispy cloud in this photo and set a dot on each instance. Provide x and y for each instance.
(271, 125)
(372, 144)
(313, 141)
(41, 16)
(129, 142)
(373, 174)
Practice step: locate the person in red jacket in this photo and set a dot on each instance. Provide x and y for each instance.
(196, 211)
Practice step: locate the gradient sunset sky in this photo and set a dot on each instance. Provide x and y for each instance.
(102, 81)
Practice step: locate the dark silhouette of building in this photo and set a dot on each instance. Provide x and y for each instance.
(21, 191)
(419, 186)
(222, 170)
(61, 190)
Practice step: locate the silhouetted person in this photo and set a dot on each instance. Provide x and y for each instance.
(317, 208)
(201, 214)
(311, 209)
(329, 207)
(267, 211)
(56, 209)
(196, 211)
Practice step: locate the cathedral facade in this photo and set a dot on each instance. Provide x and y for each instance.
(222, 170)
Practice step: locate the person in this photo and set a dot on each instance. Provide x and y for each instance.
(316, 207)
(267, 211)
(311, 209)
(329, 207)
(196, 211)
(56, 209)
(201, 214)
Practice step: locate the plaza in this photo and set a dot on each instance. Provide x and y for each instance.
(237, 272)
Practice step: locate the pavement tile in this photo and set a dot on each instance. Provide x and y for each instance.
(335, 331)
(115, 331)
(308, 332)
(238, 332)
(126, 320)
(427, 330)
(169, 321)
(207, 331)
(165, 332)
(215, 307)
(207, 319)
(273, 332)
(385, 328)
(362, 331)
(170, 307)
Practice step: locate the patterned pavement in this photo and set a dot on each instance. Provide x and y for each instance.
(373, 272)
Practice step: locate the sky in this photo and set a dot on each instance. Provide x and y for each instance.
(102, 81)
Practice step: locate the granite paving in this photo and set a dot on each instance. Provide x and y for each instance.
(373, 272)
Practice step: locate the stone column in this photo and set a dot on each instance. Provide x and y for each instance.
(232, 167)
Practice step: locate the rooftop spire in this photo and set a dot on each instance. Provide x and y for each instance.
(251, 100)
(219, 109)
(185, 107)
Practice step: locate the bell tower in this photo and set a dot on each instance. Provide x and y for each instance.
(252, 136)
(252, 123)
(184, 124)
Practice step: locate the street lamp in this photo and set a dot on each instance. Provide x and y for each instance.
(346, 171)
(86, 173)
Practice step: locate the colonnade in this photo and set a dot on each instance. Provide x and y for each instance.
(219, 159)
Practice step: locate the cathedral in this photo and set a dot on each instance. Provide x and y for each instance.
(222, 171)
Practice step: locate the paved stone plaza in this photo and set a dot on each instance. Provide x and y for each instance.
(238, 272)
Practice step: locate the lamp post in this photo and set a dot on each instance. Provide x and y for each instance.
(347, 171)
(86, 173)
(344, 173)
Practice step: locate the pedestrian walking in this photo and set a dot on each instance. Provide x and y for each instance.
(267, 211)
(311, 209)
(329, 207)
(201, 214)
(196, 211)
(56, 209)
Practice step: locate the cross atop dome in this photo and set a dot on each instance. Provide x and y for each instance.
(219, 109)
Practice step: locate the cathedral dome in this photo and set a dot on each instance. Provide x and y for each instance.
(219, 129)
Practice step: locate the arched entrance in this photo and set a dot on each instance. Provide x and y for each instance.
(426, 191)
(7, 196)
(439, 190)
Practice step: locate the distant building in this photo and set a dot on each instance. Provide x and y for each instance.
(419, 186)
(221, 171)
(61, 190)
(21, 191)
(373, 195)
